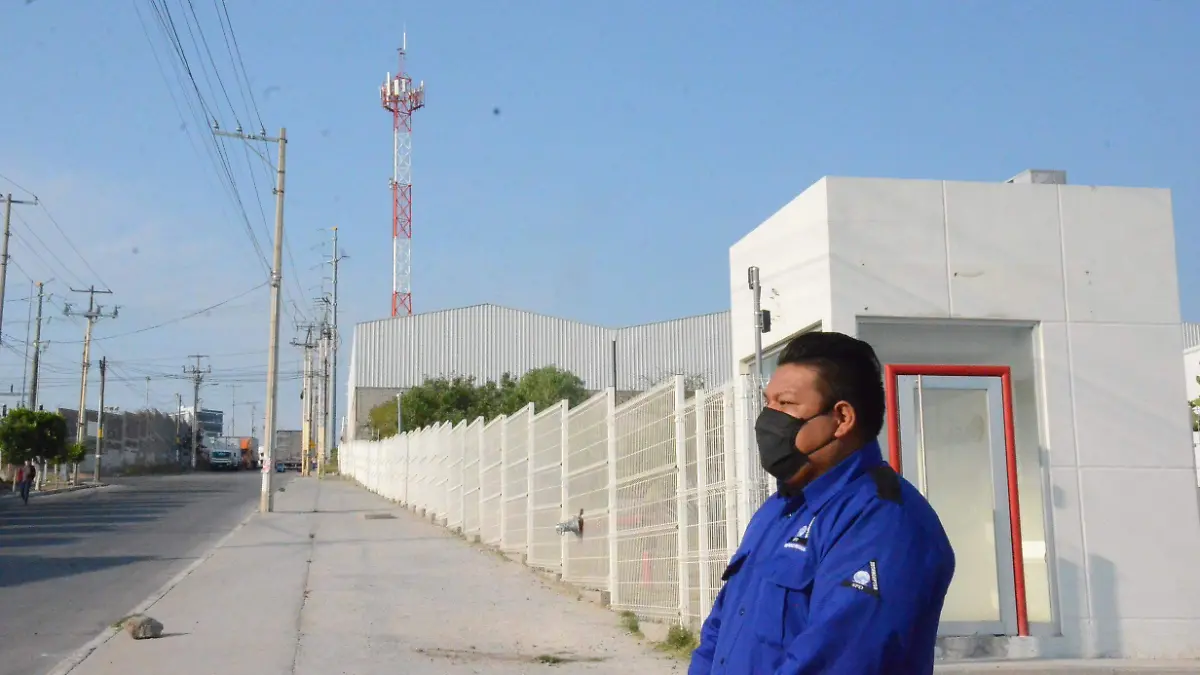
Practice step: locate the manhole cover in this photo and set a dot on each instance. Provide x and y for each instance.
(379, 516)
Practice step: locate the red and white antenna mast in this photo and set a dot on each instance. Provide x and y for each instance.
(402, 99)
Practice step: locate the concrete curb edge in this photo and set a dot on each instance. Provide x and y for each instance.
(80, 655)
(56, 491)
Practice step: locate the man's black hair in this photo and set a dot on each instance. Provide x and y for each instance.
(849, 371)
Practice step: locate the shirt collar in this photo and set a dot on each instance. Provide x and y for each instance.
(831, 482)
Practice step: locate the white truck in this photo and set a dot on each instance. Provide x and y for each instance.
(223, 455)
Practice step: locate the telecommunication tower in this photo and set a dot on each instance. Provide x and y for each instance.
(402, 99)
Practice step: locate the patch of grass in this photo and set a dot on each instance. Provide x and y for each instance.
(549, 659)
(120, 623)
(331, 469)
(629, 621)
(680, 642)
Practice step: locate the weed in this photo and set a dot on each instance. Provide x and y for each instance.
(680, 642)
(629, 621)
(550, 659)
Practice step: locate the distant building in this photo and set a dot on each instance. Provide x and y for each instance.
(212, 422)
(389, 356)
(143, 438)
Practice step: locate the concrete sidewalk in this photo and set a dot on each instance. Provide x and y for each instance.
(318, 589)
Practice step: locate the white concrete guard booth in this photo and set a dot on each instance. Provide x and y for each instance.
(1031, 336)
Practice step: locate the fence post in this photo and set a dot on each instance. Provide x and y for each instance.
(681, 496)
(610, 423)
(503, 505)
(479, 469)
(745, 442)
(447, 470)
(462, 478)
(733, 530)
(563, 472)
(406, 472)
(530, 454)
(702, 508)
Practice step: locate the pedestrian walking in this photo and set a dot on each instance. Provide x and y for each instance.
(845, 568)
(28, 473)
(18, 478)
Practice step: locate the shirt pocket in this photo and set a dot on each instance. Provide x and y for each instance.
(787, 589)
(735, 565)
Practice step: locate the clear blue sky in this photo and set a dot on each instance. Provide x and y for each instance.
(634, 143)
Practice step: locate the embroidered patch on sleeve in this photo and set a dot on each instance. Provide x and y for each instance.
(866, 579)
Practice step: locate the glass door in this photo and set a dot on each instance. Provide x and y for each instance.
(952, 447)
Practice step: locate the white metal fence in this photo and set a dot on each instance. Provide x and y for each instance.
(662, 485)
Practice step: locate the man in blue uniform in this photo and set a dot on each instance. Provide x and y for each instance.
(844, 570)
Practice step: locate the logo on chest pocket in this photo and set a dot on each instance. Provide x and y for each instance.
(799, 541)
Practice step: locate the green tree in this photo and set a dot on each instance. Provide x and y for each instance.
(544, 387)
(461, 398)
(1193, 406)
(31, 434)
(75, 453)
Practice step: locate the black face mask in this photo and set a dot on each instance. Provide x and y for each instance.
(776, 434)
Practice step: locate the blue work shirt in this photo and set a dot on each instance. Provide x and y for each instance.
(846, 577)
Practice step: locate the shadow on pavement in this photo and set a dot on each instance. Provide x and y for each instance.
(33, 540)
(16, 570)
(8, 529)
(60, 522)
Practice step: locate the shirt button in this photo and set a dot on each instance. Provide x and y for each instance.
(742, 611)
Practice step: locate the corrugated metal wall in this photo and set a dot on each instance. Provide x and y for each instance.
(488, 340)
(696, 346)
(1191, 335)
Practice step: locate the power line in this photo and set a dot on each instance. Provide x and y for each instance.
(185, 317)
(217, 152)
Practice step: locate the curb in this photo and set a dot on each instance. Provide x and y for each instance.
(80, 655)
(57, 491)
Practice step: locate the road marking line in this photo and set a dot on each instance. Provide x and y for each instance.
(80, 655)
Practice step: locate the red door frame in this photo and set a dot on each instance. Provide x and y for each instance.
(891, 374)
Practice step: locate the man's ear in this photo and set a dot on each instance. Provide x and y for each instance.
(845, 417)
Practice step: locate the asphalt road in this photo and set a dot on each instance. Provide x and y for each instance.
(72, 564)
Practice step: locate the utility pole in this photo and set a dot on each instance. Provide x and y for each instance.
(94, 312)
(266, 502)
(100, 419)
(197, 377)
(233, 410)
(28, 329)
(178, 422)
(306, 400)
(322, 376)
(334, 261)
(762, 324)
(8, 204)
(147, 392)
(323, 410)
(756, 289)
(37, 351)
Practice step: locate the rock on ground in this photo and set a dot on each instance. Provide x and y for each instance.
(142, 627)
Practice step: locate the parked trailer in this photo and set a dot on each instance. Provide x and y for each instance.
(249, 450)
(287, 449)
